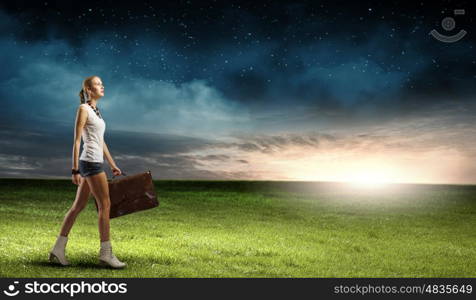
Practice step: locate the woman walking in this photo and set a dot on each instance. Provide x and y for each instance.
(88, 173)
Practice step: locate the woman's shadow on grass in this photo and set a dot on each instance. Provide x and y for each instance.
(93, 264)
(73, 264)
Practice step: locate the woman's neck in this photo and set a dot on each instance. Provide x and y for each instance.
(93, 102)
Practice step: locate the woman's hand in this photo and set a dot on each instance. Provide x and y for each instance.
(116, 171)
(77, 179)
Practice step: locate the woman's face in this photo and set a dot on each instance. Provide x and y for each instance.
(97, 88)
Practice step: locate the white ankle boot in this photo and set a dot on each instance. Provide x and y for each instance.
(57, 254)
(107, 258)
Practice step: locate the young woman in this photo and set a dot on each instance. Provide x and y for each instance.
(90, 126)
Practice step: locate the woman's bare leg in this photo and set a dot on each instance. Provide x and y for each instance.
(82, 196)
(57, 254)
(100, 189)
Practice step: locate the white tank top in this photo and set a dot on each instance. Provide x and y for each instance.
(93, 137)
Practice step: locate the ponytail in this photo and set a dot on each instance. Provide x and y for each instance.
(82, 99)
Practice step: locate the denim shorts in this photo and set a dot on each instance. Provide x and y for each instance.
(88, 168)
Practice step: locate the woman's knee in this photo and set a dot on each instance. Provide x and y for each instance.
(76, 209)
(103, 213)
(104, 205)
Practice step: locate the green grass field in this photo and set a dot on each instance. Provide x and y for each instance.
(249, 229)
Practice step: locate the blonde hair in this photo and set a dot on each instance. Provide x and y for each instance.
(87, 83)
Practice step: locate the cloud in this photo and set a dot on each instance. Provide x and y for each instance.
(452, 127)
(193, 108)
(39, 88)
(399, 147)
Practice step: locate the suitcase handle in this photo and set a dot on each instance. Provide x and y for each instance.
(123, 173)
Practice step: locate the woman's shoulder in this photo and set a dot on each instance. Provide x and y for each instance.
(83, 106)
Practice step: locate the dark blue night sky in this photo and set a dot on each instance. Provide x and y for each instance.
(278, 90)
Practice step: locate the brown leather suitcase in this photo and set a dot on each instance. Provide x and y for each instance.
(131, 194)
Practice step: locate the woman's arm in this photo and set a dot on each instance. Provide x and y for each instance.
(111, 162)
(81, 117)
